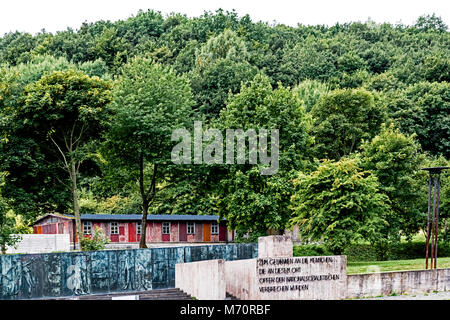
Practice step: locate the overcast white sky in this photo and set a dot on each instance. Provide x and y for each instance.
(54, 15)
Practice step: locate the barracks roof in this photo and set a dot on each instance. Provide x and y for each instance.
(137, 217)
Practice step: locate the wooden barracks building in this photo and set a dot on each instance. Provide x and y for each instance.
(126, 228)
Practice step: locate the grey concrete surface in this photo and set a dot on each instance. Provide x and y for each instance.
(420, 296)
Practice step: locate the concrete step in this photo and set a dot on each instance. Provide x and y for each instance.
(166, 298)
(158, 294)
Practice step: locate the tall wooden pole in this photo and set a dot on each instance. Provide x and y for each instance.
(437, 220)
(434, 172)
(428, 222)
(433, 220)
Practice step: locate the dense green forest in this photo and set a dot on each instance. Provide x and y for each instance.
(86, 118)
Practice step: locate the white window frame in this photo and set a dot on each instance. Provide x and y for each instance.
(164, 226)
(138, 228)
(190, 225)
(114, 227)
(87, 227)
(214, 228)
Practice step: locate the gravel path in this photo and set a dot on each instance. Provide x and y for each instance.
(445, 295)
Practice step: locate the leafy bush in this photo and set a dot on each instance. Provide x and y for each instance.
(340, 204)
(311, 250)
(96, 242)
(367, 252)
(416, 249)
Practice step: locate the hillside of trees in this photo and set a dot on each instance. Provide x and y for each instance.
(86, 118)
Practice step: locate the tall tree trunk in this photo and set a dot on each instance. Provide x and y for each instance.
(142, 243)
(147, 197)
(76, 207)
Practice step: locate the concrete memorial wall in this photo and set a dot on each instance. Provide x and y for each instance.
(280, 276)
(274, 275)
(78, 273)
(295, 278)
(277, 275)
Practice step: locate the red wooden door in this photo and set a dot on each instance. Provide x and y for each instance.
(74, 232)
(166, 227)
(207, 232)
(122, 234)
(132, 232)
(183, 233)
(222, 232)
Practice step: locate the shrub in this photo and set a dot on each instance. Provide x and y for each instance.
(367, 252)
(311, 250)
(340, 204)
(96, 242)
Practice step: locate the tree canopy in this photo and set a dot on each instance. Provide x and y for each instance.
(360, 108)
(150, 102)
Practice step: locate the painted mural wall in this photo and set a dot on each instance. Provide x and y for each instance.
(29, 276)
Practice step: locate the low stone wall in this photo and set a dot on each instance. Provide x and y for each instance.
(41, 243)
(400, 282)
(204, 280)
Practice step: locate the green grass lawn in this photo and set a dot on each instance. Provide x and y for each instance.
(393, 265)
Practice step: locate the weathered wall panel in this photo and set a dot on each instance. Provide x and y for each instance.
(126, 270)
(100, 272)
(78, 273)
(144, 269)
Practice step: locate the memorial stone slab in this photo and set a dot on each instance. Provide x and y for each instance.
(277, 275)
(300, 278)
(275, 246)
